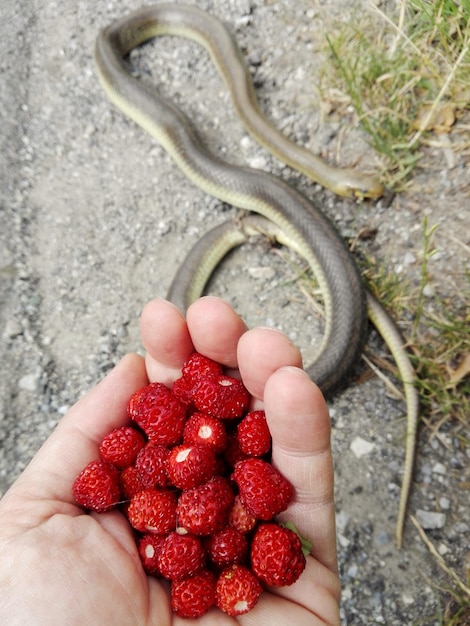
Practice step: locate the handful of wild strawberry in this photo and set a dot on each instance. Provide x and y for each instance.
(193, 478)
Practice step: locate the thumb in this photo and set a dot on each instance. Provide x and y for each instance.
(300, 427)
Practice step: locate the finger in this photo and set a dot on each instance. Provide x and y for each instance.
(300, 428)
(75, 441)
(166, 340)
(309, 602)
(212, 328)
(317, 590)
(215, 329)
(262, 351)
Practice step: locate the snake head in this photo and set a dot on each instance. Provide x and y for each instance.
(353, 184)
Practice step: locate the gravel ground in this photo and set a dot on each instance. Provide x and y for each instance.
(95, 219)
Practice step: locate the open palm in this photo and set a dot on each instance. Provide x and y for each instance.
(60, 565)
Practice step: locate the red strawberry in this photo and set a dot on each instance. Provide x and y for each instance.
(276, 555)
(204, 510)
(97, 487)
(121, 446)
(240, 517)
(193, 596)
(151, 465)
(159, 413)
(130, 482)
(182, 389)
(253, 434)
(226, 547)
(189, 465)
(198, 366)
(180, 556)
(233, 453)
(263, 489)
(237, 590)
(205, 430)
(149, 546)
(153, 510)
(174, 484)
(224, 397)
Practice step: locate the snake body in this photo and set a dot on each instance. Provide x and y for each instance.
(303, 226)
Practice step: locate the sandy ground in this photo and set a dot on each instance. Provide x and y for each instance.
(96, 217)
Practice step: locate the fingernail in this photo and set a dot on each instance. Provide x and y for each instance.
(295, 370)
(272, 329)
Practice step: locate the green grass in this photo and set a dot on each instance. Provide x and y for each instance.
(398, 71)
(406, 75)
(438, 337)
(439, 340)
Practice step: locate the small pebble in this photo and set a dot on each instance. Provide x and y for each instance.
(12, 329)
(461, 528)
(409, 258)
(246, 142)
(353, 570)
(346, 593)
(29, 382)
(428, 291)
(431, 520)
(444, 503)
(407, 600)
(382, 538)
(342, 521)
(440, 468)
(265, 273)
(360, 447)
(258, 163)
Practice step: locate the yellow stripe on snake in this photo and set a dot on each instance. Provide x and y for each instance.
(287, 214)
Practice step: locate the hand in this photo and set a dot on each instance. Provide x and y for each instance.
(59, 565)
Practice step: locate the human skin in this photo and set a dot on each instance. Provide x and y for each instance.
(60, 565)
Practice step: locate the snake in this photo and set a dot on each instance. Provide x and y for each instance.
(281, 210)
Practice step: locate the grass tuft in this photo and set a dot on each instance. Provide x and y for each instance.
(405, 74)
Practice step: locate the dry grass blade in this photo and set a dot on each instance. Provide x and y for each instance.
(389, 64)
(432, 549)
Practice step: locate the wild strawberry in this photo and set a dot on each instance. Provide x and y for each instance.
(233, 453)
(192, 597)
(198, 366)
(189, 465)
(97, 487)
(153, 510)
(226, 547)
(182, 389)
(121, 446)
(240, 517)
(172, 474)
(224, 397)
(263, 489)
(237, 590)
(159, 413)
(253, 434)
(180, 556)
(130, 482)
(151, 465)
(204, 510)
(276, 555)
(205, 430)
(149, 546)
